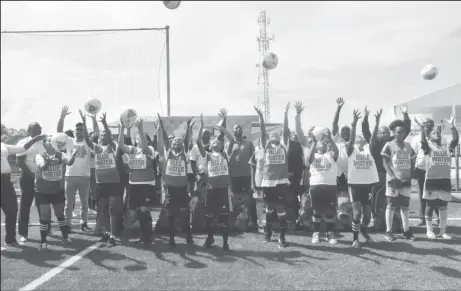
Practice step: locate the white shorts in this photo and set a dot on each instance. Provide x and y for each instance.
(391, 192)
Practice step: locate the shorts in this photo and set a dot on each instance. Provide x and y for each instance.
(437, 203)
(47, 198)
(275, 195)
(323, 198)
(217, 201)
(341, 183)
(110, 190)
(241, 184)
(360, 193)
(176, 198)
(394, 192)
(141, 195)
(398, 201)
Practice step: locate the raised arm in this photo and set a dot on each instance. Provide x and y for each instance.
(406, 120)
(366, 126)
(95, 128)
(85, 130)
(454, 133)
(334, 147)
(142, 137)
(121, 138)
(299, 130)
(374, 137)
(262, 127)
(286, 130)
(223, 114)
(313, 150)
(423, 138)
(199, 138)
(166, 144)
(106, 130)
(340, 103)
(64, 113)
(187, 137)
(351, 143)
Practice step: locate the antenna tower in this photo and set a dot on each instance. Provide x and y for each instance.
(263, 73)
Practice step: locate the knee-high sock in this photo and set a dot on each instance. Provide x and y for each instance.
(443, 213)
(64, 227)
(404, 212)
(355, 229)
(43, 230)
(389, 218)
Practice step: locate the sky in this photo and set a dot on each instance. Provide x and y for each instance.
(369, 53)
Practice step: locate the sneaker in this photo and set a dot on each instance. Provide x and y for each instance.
(66, 240)
(190, 241)
(42, 246)
(446, 236)
(172, 243)
(282, 243)
(225, 247)
(408, 235)
(22, 239)
(14, 243)
(431, 234)
(331, 238)
(209, 242)
(421, 222)
(112, 242)
(367, 237)
(315, 238)
(268, 237)
(84, 227)
(389, 236)
(104, 238)
(356, 244)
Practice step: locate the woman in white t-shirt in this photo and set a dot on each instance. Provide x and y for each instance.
(362, 174)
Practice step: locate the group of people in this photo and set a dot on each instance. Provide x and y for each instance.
(374, 168)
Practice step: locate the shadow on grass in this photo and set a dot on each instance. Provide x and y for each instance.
(449, 272)
(98, 257)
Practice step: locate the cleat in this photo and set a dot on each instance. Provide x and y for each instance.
(14, 243)
(208, 242)
(446, 236)
(104, 238)
(356, 244)
(315, 238)
(22, 239)
(282, 243)
(112, 242)
(267, 237)
(430, 234)
(225, 248)
(331, 238)
(367, 237)
(408, 235)
(389, 236)
(66, 240)
(84, 227)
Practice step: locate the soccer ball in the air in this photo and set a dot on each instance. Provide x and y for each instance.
(270, 61)
(92, 106)
(171, 4)
(60, 141)
(429, 72)
(129, 117)
(319, 132)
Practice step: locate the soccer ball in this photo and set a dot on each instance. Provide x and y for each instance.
(270, 61)
(319, 132)
(129, 117)
(92, 106)
(429, 72)
(60, 141)
(171, 4)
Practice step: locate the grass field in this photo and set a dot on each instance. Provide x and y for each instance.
(86, 265)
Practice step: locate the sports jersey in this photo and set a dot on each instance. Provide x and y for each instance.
(142, 166)
(175, 172)
(50, 180)
(400, 161)
(362, 167)
(105, 164)
(323, 170)
(217, 167)
(276, 166)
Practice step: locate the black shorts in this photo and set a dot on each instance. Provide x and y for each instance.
(437, 203)
(241, 185)
(323, 198)
(360, 193)
(176, 198)
(141, 195)
(275, 195)
(106, 190)
(46, 198)
(341, 182)
(217, 201)
(399, 201)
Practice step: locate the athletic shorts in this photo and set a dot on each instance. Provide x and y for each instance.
(110, 190)
(437, 203)
(323, 198)
(276, 195)
(241, 185)
(176, 198)
(217, 201)
(341, 183)
(360, 193)
(394, 192)
(141, 195)
(398, 201)
(46, 198)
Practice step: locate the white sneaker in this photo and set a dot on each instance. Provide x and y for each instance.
(331, 238)
(315, 238)
(446, 236)
(22, 239)
(431, 234)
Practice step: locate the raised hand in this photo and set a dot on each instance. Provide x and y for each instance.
(160, 121)
(357, 116)
(287, 107)
(418, 122)
(121, 125)
(139, 124)
(222, 113)
(102, 118)
(258, 110)
(378, 114)
(65, 112)
(201, 120)
(340, 101)
(82, 115)
(404, 109)
(451, 120)
(299, 107)
(367, 112)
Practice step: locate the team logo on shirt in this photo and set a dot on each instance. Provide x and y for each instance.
(363, 162)
(105, 161)
(53, 173)
(137, 162)
(441, 157)
(402, 160)
(81, 151)
(321, 164)
(175, 167)
(217, 167)
(275, 156)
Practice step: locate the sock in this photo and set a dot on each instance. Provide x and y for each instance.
(355, 229)
(429, 223)
(225, 234)
(283, 228)
(404, 212)
(443, 214)
(64, 227)
(148, 227)
(43, 230)
(389, 218)
(171, 225)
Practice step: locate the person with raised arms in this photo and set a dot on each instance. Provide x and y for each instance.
(108, 182)
(217, 186)
(275, 177)
(142, 165)
(49, 190)
(174, 177)
(8, 198)
(437, 185)
(362, 174)
(399, 162)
